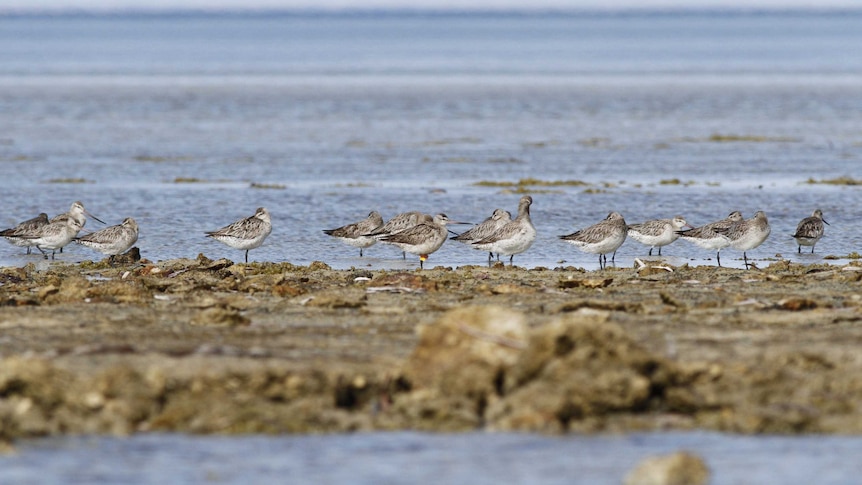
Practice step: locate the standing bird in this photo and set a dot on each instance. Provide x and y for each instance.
(54, 235)
(748, 234)
(247, 233)
(657, 232)
(710, 236)
(809, 231)
(489, 226)
(354, 234)
(398, 223)
(513, 238)
(423, 238)
(112, 240)
(30, 226)
(601, 238)
(77, 212)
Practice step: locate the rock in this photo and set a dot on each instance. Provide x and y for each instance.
(131, 256)
(318, 265)
(585, 283)
(466, 352)
(405, 280)
(511, 289)
(220, 317)
(348, 298)
(796, 304)
(46, 291)
(680, 468)
(576, 368)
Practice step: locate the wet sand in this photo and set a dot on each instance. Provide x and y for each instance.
(205, 346)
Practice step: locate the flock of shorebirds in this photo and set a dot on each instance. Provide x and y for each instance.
(421, 234)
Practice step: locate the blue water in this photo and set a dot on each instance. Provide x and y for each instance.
(393, 112)
(415, 458)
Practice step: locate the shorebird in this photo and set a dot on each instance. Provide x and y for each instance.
(513, 238)
(398, 223)
(30, 226)
(77, 212)
(486, 228)
(809, 231)
(709, 236)
(657, 232)
(354, 234)
(748, 234)
(247, 233)
(601, 238)
(423, 238)
(112, 240)
(54, 235)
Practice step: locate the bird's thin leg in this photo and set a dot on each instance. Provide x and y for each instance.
(799, 249)
(812, 249)
(404, 255)
(659, 250)
(246, 256)
(718, 258)
(650, 251)
(745, 258)
(360, 252)
(614, 257)
(490, 255)
(511, 260)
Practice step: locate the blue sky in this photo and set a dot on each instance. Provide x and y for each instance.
(477, 4)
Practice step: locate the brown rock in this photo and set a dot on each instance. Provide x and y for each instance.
(798, 304)
(586, 283)
(465, 353)
(577, 367)
(348, 298)
(511, 289)
(405, 280)
(220, 317)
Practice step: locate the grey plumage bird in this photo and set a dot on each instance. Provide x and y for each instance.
(809, 231)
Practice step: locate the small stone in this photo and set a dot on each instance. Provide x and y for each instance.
(406, 280)
(220, 317)
(348, 298)
(586, 283)
(511, 289)
(45, 291)
(680, 468)
(798, 304)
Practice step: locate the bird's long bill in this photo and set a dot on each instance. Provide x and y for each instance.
(824, 221)
(89, 214)
(458, 222)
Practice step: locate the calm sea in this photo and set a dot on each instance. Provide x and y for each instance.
(172, 118)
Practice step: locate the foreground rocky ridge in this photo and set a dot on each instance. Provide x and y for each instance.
(208, 346)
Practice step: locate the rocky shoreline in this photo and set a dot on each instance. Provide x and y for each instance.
(203, 346)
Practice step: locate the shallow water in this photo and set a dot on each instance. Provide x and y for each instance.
(382, 458)
(397, 112)
(424, 148)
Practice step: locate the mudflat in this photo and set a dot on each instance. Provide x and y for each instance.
(203, 346)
